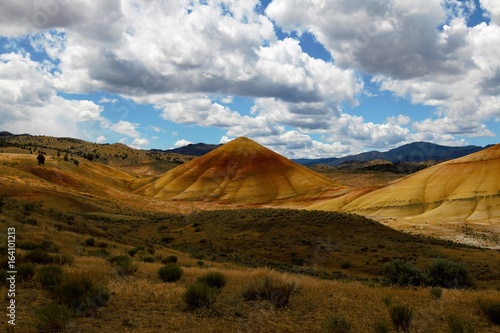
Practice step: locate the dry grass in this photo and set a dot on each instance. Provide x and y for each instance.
(321, 242)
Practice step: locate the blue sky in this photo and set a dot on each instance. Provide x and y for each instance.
(303, 79)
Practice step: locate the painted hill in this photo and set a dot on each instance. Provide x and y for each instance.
(412, 152)
(466, 189)
(242, 172)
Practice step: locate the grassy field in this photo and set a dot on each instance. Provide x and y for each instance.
(330, 262)
(88, 252)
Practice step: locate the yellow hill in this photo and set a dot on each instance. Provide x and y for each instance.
(241, 172)
(466, 189)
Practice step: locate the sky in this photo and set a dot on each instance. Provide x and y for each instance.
(306, 78)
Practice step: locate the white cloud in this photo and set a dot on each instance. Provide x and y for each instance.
(127, 128)
(181, 143)
(399, 120)
(423, 51)
(101, 139)
(225, 139)
(108, 100)
(139, 143)
(29, 102)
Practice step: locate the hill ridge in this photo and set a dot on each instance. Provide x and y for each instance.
(241, 171)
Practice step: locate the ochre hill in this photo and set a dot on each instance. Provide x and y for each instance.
(466, 189)
(241, 172)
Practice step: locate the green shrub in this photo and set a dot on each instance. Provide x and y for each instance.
(148, 259)
(491, 309)
(25, 271)
(80, 293)
(401, 317)
(381, 327)
(270, 288)
(90, 242)
(460, 325)
(49, 276)
(29, 221)
(449, 274)
(38, 256)
(52, 318)
(436, 292)
(401, 273)
(345, 265)
(124, 265)
(213, 280)
(336, 324)
(199, 295)
(62, 259)
(170, 259)
(100, 252)
(170, 273)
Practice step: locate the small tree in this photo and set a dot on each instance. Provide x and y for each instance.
(41, 159)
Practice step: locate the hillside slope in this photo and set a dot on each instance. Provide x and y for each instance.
(242, 172)
(466, 189)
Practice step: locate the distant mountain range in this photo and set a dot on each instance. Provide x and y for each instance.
(412, 152)
(5, 133)
(194, 149)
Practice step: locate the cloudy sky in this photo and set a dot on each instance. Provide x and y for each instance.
(306, 78)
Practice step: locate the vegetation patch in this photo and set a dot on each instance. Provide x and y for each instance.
(170, 273)
(270, 287)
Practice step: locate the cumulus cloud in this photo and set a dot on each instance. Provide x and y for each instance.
(127, 128)
(424, 52)
(29, 102)
(181, 143)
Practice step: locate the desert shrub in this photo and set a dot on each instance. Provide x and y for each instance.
(100, 252)
(401, 273)
(449, 274)
(80, 293)
(491, 309)
(49, 246)
(271, 288)
(148, 259)
(52, 317)
(199, 295)
(213, 280)
(460, 325)
(90, 242)
(25, 271)
(124, 265)
(76, 162)
(49, 276)
(170, 272)
(381, 327)
(38, 256)
(167, 239)
(29, 221)
(345, 265)
(62, 259)
(337, 324)
(133, 252)
(436, 292)
(401, 317)
(170, 259)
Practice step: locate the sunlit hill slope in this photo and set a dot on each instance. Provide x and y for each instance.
(466, 189)
(242, 172)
